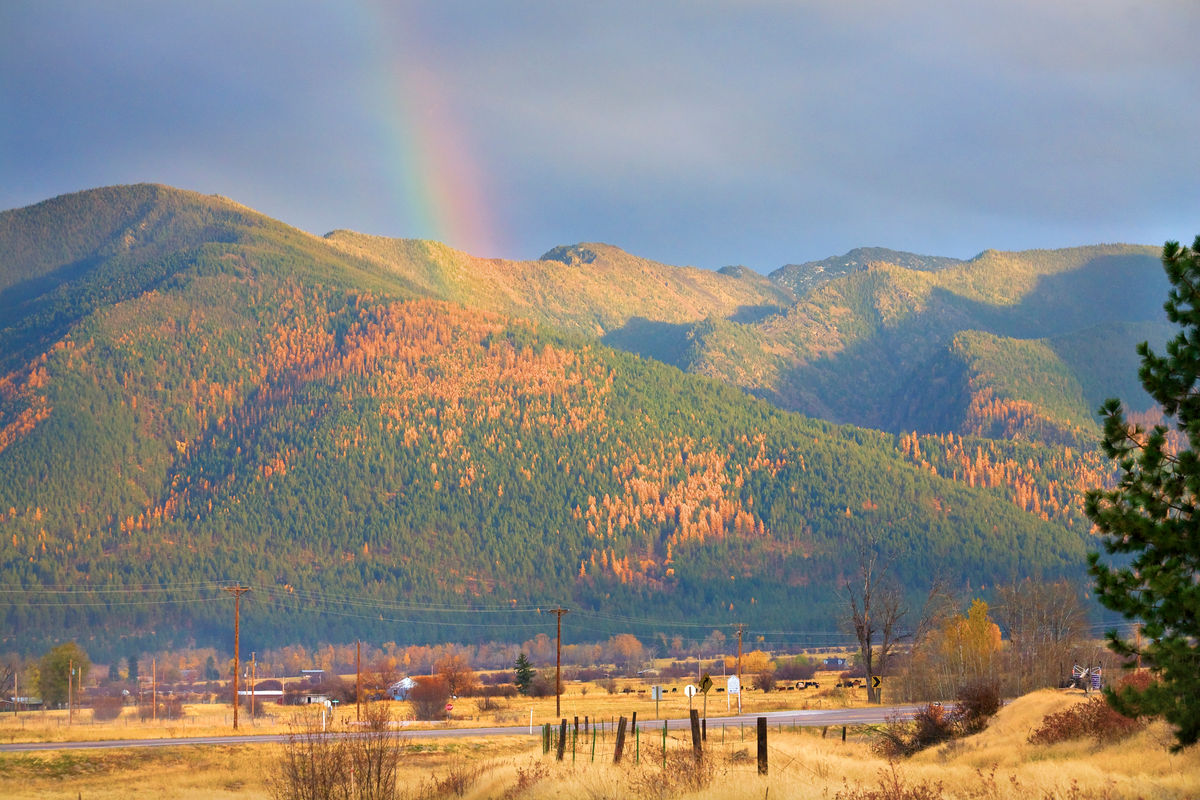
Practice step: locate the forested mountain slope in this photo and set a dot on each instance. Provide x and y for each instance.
(803, 278)
(902, 349)
(205, 394)
(862, 338)
(594, 289)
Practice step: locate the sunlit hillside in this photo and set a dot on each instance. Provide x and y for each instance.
(203, 394)
(902, 349)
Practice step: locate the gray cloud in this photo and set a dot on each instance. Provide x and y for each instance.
(698, 132)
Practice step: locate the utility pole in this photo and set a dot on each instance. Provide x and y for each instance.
(237, 592)
(70, 677)
(154, 689)
(740, 628)
(357, 681)
(253, 681)
(558, 612)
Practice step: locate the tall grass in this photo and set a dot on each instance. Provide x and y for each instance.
(997, 764)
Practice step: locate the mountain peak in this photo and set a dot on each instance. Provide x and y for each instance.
(574, 255)
(802, 278)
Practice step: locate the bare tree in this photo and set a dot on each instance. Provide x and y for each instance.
(457, 673)
(877, 610)
(9, 668)
(1044, 622)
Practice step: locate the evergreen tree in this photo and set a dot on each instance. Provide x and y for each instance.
(133, 668)
(1150, 518)
(524, 674)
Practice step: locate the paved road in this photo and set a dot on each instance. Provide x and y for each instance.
(808, 718)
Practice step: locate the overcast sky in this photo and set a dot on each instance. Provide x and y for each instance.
(707, 133)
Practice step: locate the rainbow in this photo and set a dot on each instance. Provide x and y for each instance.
(439, 189)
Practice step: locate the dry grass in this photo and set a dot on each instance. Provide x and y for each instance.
(198, 720)
(190, 773)
(997, 764)
(579, 699)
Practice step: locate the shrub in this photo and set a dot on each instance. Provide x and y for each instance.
(542, 685)
(893, 786)
(318, 764)
(765, 680)
(1093, 717)
(608, 684)
(800, 668)
(108, 707)
(978, 701)
(489, 703)
(932, 724)
(429, 698)
(168, 708)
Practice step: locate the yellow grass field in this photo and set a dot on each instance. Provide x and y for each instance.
(579, 699)
(997, 763)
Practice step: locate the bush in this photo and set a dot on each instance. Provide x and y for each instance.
(800, 668)
(429, 698)
(168, 708)
(489, 703)
(542, 685)
(932, 724)
(1093, 717)
(108, 707)
(608, 684)
(893, 786)
(321, 764)
(764, 681)
(978, 701)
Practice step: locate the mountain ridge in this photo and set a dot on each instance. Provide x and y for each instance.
(224, 397)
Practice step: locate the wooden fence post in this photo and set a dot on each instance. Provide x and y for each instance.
(697, 742)
(620, 740)
(562, 740)
(762, 745)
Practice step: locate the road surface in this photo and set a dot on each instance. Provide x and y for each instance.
(807, 718)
